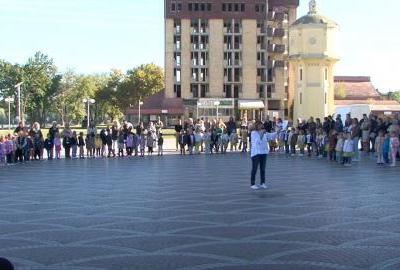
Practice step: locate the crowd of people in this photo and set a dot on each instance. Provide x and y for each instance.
(332, 138)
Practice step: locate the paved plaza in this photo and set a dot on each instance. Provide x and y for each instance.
(197, 213)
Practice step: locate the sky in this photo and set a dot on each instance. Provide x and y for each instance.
(94, 36)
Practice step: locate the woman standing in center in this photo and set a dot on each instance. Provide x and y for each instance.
(259, 151)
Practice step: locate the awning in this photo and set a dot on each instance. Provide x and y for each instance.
(251, 104)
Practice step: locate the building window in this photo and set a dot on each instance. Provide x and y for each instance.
(301, 74)
(177, 90)
(326, 99)
(223, 7)
(179, 7)
(173, 8)
(301, 98)
(243, 7)
(326, 74)
(209, 7)
(190, 6)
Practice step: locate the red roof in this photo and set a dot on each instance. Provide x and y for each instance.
(156, 103)
(366, 102)
(356, 88)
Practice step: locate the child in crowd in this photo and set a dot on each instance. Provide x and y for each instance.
(160, 143)
(234, 140)
(90, 146)
(309, 142)
(49, 145)
(339, 148)
(74, 144)
(81, 145)
(98, 144)
(129, 144)
(182, 142)
(21, 145)
(57, 145)
(394, 147)
(293, 141)
(150, 143)
(10, 145)
(207, 142)
(379, 142)
(198, 136)
(332, 146)
(386, 148)
(244, 135)
(142, 142)
(224, 142)
(121, 144)
(29, 150)
(135, 143)
(38, 145)
(325, 144)
(348, 150)
(301, 142)
(2, 151)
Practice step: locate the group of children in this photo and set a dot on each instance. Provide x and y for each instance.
(335, 146)
(215, 139)
(21, 147)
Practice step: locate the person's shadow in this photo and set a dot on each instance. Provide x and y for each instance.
(5, 264)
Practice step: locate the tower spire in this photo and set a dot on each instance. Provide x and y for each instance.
(313, 7)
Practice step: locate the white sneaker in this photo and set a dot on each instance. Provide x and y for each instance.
(264, 186)
(255, 187)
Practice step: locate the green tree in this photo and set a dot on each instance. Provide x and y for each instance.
(396, 95)
(140, 83)
(39, 75)
(340, 91)
(10, 75)
(107, 102)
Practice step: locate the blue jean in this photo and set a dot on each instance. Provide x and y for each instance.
(356, 150)
(258, 161)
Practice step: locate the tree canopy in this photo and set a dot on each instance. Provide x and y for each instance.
(47, 94)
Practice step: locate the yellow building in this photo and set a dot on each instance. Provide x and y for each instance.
(312, 56)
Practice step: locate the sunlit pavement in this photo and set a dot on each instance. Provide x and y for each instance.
(197, 212)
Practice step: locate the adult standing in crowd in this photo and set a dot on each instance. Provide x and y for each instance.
(365, 126)
(355, 135)
(159, 125)
(114, 137)
(67, 135)
(374, 130)
(19, 128)
(231, 126)
(259, 152)
(53, 130)
(178, 129)
(38, 141)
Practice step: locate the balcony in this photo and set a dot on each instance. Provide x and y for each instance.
(276, 16)
(275, 48)
(200, 46)
(280, 64)
(261, 47)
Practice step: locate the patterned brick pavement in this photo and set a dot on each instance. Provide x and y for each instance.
(197, 213)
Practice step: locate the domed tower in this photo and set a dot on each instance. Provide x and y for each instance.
(312, 56)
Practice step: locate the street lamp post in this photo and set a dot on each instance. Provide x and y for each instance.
(88, 101)
(9, 100)
(216, 104)
(18, 86)
(140, 104)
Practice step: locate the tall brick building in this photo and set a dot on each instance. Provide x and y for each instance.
(228, 56)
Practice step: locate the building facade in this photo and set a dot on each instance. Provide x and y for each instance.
(312, 55)
(228, 57)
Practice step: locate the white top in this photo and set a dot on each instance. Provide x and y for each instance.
(259, 142)
(348, 146)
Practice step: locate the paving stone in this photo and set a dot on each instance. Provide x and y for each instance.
(197, 213)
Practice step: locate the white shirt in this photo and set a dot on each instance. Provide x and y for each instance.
(348, 146)
(259, 142)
